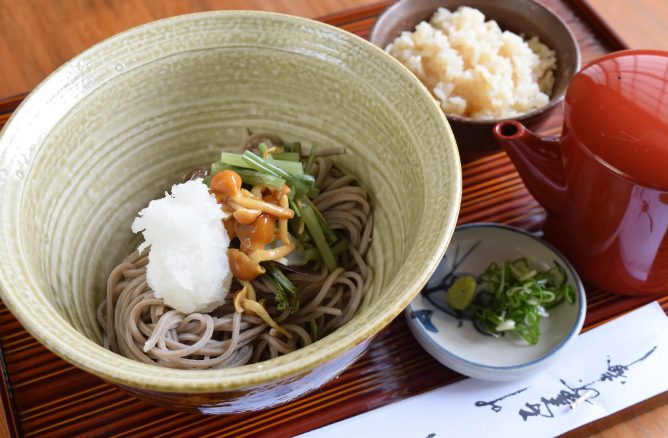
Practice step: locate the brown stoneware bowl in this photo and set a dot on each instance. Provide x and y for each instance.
(119, 124)
(523, 17)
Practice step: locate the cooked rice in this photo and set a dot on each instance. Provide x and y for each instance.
(474, 68)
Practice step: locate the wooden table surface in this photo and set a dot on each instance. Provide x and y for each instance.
(37, 36)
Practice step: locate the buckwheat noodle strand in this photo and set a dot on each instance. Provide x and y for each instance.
(140, 326)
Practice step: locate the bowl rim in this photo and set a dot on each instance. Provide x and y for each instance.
(127, 372)
(555, 99)
(567, 339)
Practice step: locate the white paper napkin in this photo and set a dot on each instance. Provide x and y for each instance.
(609, 368)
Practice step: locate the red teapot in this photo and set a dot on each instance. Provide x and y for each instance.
(604, 183)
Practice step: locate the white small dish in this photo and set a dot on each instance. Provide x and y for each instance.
(456, 343)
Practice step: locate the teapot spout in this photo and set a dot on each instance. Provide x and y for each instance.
(538, 161)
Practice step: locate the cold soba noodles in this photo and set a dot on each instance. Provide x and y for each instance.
(258, 256)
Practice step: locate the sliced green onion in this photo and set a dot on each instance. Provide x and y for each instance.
(313, 329)
(217, 166)
(258, 163)
(233, 159)
(289, 167)
(327, 230)
(311, 254)
(569, 294)
(313, 226)
(286, 297)
(520, 297)
(521, 270)
(250, 177)
(311, 157)
(307, 182)
(286, 156)
(294, 207)
(293, 147)
(340, 247)
(261, 179)
(300, 183)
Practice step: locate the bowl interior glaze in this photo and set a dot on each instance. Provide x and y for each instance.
(117, 125)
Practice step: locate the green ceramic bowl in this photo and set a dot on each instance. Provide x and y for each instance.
(118, 124)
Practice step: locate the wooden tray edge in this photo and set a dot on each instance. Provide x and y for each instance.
(346, 16)
(9, 418)
(10, 103)
(598, 23)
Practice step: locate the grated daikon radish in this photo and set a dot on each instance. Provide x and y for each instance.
(187, 263)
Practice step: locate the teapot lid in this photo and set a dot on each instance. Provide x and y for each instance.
(617, 107)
